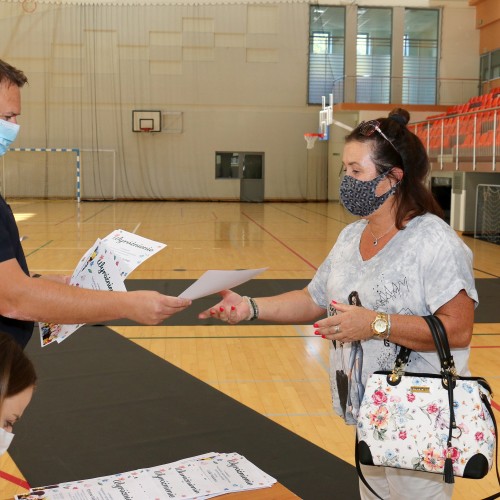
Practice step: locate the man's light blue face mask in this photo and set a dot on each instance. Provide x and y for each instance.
(8, 133)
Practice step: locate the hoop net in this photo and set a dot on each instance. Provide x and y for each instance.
(311, 139)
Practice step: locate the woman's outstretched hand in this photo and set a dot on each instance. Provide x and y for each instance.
(232, 309)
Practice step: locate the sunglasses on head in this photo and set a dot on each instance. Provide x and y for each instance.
(369, 128)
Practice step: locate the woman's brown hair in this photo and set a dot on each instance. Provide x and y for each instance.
(16, 369)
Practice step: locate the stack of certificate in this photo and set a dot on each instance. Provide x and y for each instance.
(203, 476)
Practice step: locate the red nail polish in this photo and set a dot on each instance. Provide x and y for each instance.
(233, 308)
(334, 302)
(323, 337)
(221, 309)
(316, 332)
(315, 325)
(212, 312)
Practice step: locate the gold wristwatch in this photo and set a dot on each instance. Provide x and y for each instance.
(381, 326)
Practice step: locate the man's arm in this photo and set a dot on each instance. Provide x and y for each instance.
(26, 298)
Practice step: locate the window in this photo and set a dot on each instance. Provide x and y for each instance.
(406, 46)
(321, 43)
(373, 63)
(372, 55)
(495, 65)
(363, 45)
(420, 51)
(326, 53)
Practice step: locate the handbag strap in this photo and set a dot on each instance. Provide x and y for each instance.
(360, 472)
(441, 342)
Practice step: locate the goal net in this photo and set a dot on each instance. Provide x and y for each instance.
(487, 224)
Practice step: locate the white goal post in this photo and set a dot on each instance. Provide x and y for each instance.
(78, 164)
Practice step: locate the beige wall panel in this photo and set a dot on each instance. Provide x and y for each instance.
(67, 80)
(66, 65)
(229, 40)
(136, 53)
(198, 25)
(459, 55)
(190, 39)
(165, 53)
(262, 56)
(165, 38)
(262, 19)
(165, 68)
(198, 54)
(105, 61)
(262, 41)
(67, 50)
(233, 56)
(234, 20)
(34, 64)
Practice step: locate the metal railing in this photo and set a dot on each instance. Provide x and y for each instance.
(462, 140)
(405, 90)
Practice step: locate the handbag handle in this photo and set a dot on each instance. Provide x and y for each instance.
(441, 341)
(440, 338)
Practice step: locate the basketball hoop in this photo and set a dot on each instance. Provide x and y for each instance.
(311, 139)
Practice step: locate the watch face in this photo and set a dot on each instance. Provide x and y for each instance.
(380, 325)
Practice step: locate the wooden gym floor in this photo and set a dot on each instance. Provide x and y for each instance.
(280, 371)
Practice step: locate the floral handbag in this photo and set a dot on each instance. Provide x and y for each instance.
(440, 423)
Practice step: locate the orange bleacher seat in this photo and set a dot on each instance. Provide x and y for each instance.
(486, 139)
(468, 141)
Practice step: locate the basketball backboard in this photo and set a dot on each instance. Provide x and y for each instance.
(146, 121)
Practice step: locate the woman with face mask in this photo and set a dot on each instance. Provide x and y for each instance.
(402, 261)
(17, 383)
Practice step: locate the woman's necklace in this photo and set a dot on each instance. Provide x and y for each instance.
(375, 239)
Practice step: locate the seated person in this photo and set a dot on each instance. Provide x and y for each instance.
(17, 383)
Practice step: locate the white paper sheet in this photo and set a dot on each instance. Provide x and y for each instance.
(214, 281)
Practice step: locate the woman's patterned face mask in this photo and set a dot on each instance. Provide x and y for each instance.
(359, 196)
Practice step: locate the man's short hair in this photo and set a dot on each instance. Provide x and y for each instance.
(13, 75)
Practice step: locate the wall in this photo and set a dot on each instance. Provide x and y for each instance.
(236, 73)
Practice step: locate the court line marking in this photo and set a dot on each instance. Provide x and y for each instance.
(39, 248)
(312, 414)
(290, 214)
(336, 219)
(226, 337)
(96, 213)
(14, 480)
(280, 242)
(265, 381)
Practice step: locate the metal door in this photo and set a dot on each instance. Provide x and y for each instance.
(252, 177)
